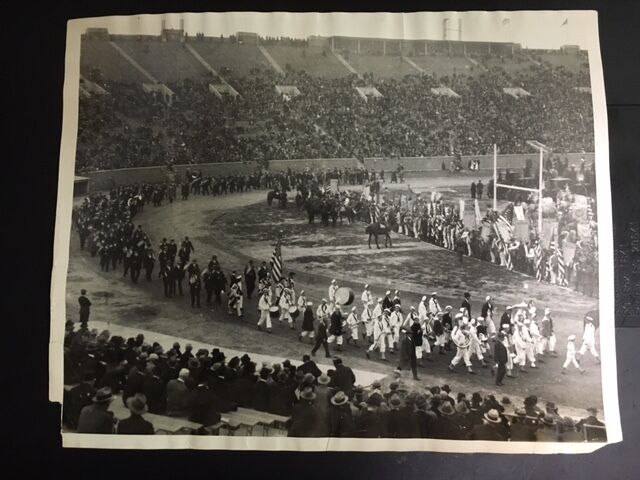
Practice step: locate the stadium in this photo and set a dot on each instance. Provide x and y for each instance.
(477, 158)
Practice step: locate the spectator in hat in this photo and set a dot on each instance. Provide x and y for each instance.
(85, 308)
(549, 430)
(340, 416)
(323, 397)
(309, 366)
(77, 398)
(490, 429)
(343, 378)
(370, 423)
(203, 405)
(568, 431)
(531, 406)
(282, 395)
(304, 417)
(135, 424)
(262, 391)
(461, 418)
(97, 418)
(445, 427)
(522, 429)
(591, 419)
(423, 417)
(551, 409)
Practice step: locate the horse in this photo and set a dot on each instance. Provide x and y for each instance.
(273, 195)
(375, 229)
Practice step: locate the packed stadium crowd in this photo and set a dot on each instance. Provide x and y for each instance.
(201, 386)
(130, 128)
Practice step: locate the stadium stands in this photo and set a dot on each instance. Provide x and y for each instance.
(329, 119)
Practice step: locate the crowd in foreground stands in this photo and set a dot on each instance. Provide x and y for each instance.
(202, 385)
(131, 128)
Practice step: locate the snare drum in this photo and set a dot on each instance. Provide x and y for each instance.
(274, 312)
(294, 312)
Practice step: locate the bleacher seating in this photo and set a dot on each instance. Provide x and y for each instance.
(310, 60)
(329, 119)
(166, 61)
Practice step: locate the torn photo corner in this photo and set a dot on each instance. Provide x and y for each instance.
(335, 232)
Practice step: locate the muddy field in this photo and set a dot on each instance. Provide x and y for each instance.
(240, 227)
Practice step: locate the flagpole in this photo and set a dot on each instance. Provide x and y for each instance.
(495, 177)
(540, 184)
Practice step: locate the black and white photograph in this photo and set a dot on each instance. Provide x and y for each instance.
(335, 231)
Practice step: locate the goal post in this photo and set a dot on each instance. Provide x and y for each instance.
(542, 149)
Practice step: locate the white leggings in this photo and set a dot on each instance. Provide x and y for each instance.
(462, 354)
(265, 318)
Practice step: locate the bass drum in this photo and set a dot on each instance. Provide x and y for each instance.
(344, 296)
(294, 312)
(274, 312)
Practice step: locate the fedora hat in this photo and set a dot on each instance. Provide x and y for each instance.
(308, 379)
(374, 400)
(492, 416)
(548, 420)
(339, 399)
(324, 379)
(308, 395)
(138, 404)
(103, 395)
(446, 409)
(395, 401)
(461, 407)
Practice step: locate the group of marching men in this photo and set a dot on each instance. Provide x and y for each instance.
(526, 337)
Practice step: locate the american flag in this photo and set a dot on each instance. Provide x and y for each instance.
(276, 263)
(540, 265)
(503, 247)
(590, 214)
(562, 272)
(376, 214)
(562, 276)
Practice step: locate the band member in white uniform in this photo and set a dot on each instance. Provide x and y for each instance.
(423, 309)
(475, 347)
(352, 324)
(380, 332)
(323, 312)
(461, 339)
(366, 296)
(434, 305)
(332, 292)
(336, 323)
(285, 303)
(386, 318)
(395, 319)
(522, 343)
(301, 302)
(571, 356)
(235, 297)
(367, 320)
(487, 314)
(263, 305)
(547, 337)
(307, 322)
(427, 333)
(377, 310)
(589, 339)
